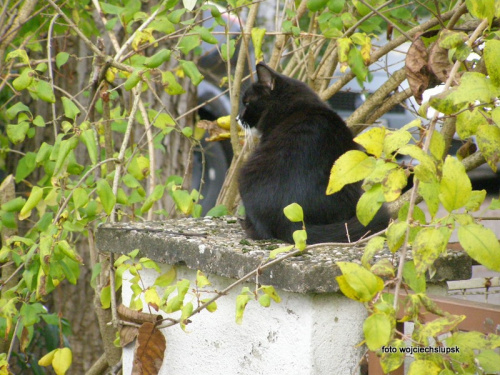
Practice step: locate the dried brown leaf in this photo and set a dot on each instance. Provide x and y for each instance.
(127, 335)
(416, 68)
(150, 350)
(439, 63)
(134, 316)
(214, 131)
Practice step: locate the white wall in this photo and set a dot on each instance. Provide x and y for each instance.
(304, 334)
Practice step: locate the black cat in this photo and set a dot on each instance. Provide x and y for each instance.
(301, 137)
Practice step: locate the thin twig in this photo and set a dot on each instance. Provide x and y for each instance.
(51, 73)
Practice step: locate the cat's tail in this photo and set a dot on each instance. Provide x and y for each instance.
(348, 231)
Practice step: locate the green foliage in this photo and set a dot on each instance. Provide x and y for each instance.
(87, 170)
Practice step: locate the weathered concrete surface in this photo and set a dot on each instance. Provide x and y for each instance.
(219, 246)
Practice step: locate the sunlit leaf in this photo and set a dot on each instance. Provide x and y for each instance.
(481, 244)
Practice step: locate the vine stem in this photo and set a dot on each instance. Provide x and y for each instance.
(123, 149)
(427, 143)
(51, 72)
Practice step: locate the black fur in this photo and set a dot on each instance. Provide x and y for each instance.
(301, 137)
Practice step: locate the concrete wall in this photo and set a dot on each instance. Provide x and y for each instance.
(304, 334)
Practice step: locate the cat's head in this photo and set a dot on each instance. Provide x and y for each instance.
(272, 95)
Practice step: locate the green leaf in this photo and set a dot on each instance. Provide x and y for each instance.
(188, 43)
(481, 9)
(426, 169)
(80, 197)
(396, 235)
(167, 278)
(351, 167)
(393, 184)
(379, 174)
(61, 59)
(294, 213)
(265, 300)
(257, 40)
(111, 9)
(489, 360)
(24, 79)
(488, 140)
(369, 204)
(105, 297)
(372, 140)
(191, 71)
(274, 253)
(473, 86)
(395, 140)
(391, 361)
(39, 121)
(377, 329)
(35, 197)
(186, 312)
(477, 198)
(455, 187)
(228, 52)
(373, 246)
(241, 303)
(139, 167)
(300, 237)
(66, 146)
(158, 58)
(151, 199)
(43, 153)
(481, 244)
(357, 64)
(491, 59)
(88, 139)
(336, 6)
(14, 205)
(430, 192)
(201, 280)
(106, 196)
(172, 87)
(437, 145)
(187, 132)
(26, 165)
(18, 53)
(218, 211)
(133, 79)
(426, 367)
(183, 201)
(415, 281)
(70, 109)
(13, 111)
(271, 292)
(363, 282)
(44, 92)
(451, 39)
(315, 5)
(17, 133)
(205, 35)
(428, 246)
(175, 16)
(468, 122)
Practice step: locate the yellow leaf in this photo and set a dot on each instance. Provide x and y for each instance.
(62, 360)
(46, 360)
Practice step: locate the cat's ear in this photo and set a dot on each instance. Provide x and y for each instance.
(266, 75)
